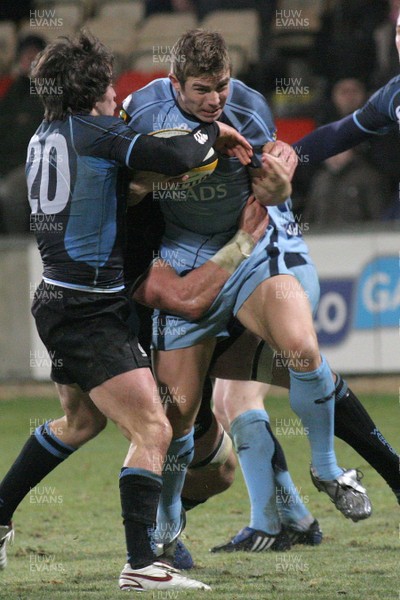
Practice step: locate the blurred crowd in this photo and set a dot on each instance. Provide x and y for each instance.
(315, 60)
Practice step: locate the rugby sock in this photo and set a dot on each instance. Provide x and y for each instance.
(311, 398)
(140, 493)
(255, 448)
(354, 426)
(42, 452)
(290, 505)
(180, 454)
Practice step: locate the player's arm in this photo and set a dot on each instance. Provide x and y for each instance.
(192, 295)
(110, 138)
(175, 155)
(229, 142)
(330, 139)
(271, 183)
(378, 116)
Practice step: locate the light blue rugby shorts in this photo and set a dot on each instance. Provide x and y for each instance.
(172, 332)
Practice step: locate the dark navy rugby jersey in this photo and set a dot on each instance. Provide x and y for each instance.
(77, 196)
(379, 115)
(381, 112)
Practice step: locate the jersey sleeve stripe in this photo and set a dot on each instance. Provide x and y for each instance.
(357, 122)
(391, 105)
(129, 151)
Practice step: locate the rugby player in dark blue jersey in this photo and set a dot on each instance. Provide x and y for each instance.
(379, 115)
(77, 196)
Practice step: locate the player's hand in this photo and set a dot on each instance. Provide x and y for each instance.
(271, 184)
(146, 182)
(254, 219)
(230, 142)
(285, 152)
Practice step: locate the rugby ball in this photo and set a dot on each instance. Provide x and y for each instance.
(197, 174)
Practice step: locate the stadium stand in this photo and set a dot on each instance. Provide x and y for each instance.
(8, 45)
(131, 11)
(239, 28)
(296, 24)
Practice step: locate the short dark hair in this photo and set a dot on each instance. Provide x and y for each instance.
(199, 52)
(71, 75)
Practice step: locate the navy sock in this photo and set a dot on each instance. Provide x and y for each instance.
(140, 493)
(354, 426)
(41, 454)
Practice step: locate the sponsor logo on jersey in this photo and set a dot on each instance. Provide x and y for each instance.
(294, 229)
(200, 137)
(398, 114)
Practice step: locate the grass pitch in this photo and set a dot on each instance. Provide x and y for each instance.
(69, 541)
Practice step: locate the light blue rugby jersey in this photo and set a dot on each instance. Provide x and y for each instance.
(213, 206)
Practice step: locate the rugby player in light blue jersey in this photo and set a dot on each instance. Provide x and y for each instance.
(238, 402)
(264, 295)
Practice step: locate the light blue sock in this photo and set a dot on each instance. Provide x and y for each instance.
(291, 507)
(179, 455)
(312, 397)
(255, 449)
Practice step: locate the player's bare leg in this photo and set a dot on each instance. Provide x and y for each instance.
(49, 445)
(131, 400)
(286, 325)
(212, 469)
(279, 312)
(232, 398)
(82, 420)
(180, 376)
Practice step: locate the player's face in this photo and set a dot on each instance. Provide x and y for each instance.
(107, 105)
(204, 97)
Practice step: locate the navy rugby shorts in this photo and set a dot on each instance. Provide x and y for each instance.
(86, 335)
